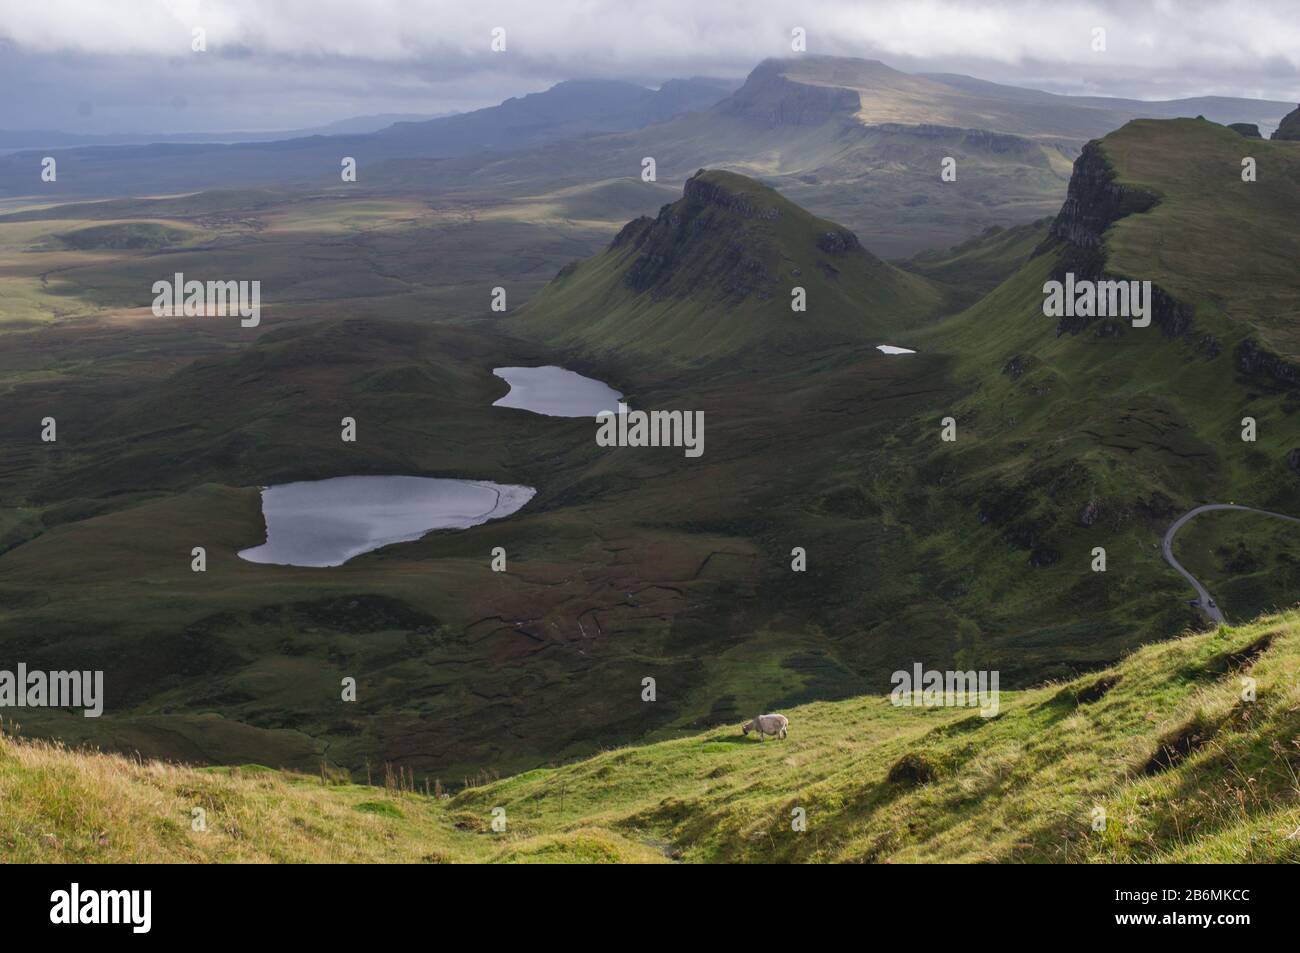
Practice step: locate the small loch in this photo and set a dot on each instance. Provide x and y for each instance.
(555, 392)
(328, 522)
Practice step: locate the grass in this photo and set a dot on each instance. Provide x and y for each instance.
(977, 266)
(627, 563)
(405, 256)
(1248, 564)
(877, 783)
(712, 276)
(1196, 166)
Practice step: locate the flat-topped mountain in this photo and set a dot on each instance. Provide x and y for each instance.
(887, 95)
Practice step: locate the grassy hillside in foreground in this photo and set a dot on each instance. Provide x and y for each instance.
(1164, 743)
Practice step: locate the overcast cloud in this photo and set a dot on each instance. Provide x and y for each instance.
(127, 65)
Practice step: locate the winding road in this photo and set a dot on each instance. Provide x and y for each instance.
(1204, 602)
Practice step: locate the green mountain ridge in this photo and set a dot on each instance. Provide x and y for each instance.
(713, 275)
(1088, 432)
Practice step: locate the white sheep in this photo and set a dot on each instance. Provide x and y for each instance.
(767, 725)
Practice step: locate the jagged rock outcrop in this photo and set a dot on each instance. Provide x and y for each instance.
(1265, 367)
(838, 241)
(696, 232)
(698, 189)
(630, 232)
(1247, 129)
(1289, 128)
(769, 97)
(1094, 202)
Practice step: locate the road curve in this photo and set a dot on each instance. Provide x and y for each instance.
(1203, 601)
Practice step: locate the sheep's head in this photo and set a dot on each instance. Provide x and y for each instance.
(744, 729)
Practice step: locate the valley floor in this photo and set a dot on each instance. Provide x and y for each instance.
(1187, 750)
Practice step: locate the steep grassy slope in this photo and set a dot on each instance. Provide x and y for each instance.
(1081, 434)
(1225, 247)
(1164, 743)
(712, 276)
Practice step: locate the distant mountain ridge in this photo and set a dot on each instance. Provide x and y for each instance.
(13, 140)
(852, 140)
(572, 109)
(1221, 109)
(568, 109)
(857, 142)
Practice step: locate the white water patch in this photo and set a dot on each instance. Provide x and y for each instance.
(327, 522)
(555, 392)
(891, 349)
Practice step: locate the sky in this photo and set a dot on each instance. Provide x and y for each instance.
(106, 66)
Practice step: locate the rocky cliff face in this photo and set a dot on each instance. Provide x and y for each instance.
(633, 232)
(693, 244)
(1265, 367)
(1289, 129)
(1094, 202)
(975, 140)
(1247, 129)
(698, 189)
(768, 97)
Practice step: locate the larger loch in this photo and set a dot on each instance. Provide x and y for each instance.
(319, 523)
(328, 522)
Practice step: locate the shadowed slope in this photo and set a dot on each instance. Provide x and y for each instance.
(713, 276)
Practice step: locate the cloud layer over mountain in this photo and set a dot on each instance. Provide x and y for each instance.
(87, 65)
